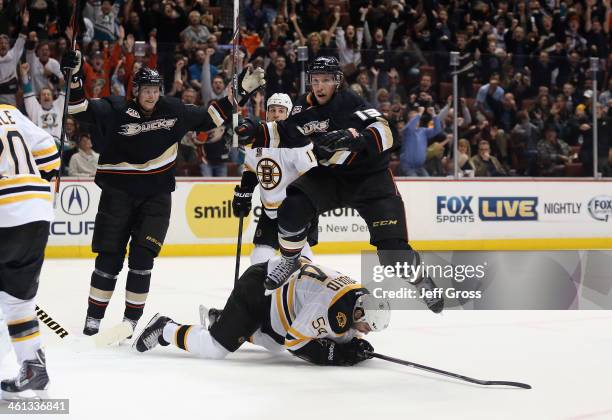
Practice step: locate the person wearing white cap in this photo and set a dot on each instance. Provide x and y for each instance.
(273, 168)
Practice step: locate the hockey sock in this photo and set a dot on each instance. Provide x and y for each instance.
(291, 243)
(136, 291)
(138, 281)
(103, 281)
(262, 253)
(22, 325)
(194, 339)
(307, 252)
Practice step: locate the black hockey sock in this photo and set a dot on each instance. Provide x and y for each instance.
(291, 243)
(136, 291)
(100, 293)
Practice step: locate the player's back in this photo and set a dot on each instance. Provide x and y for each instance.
(28, 157)
(317, 302)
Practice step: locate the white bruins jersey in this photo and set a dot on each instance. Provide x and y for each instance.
(276, 168)
(317, 302)
(25, 151)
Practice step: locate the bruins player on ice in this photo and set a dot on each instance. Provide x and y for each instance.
(318, 315)
(28, 160)
(273, 168)
(352, 142)
(138, 142)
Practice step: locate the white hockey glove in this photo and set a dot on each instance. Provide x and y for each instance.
(249, 81)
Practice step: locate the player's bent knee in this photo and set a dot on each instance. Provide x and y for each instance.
(141, 258)
(110, 264)
(296, 207)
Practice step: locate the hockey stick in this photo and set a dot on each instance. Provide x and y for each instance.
(238, 249)
(74, 24)
(443, 372)
(235, 38)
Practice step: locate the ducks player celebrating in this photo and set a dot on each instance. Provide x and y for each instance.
(28, 160)
(273, 168)
(353, 143)
(318, 315)
(138, 143)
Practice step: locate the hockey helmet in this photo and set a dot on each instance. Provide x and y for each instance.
(280, 99)
(376, 312)
(148, 77)
(326, 65)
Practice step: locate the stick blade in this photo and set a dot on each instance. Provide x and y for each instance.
(508, 383)
(113, 335)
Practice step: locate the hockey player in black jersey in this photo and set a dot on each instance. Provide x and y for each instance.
(138, 142)
(352, 142)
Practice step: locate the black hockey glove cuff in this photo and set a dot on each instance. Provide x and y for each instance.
(249, 181)
(71, 60)
(330, 353)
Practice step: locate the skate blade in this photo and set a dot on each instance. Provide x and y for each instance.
(113, 335)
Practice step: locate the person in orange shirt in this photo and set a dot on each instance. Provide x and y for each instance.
(99, 72)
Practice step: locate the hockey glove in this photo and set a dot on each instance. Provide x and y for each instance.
(71, 61)
(327, 352)
(248, 82)
(340, 140)
(241, 204)
(246, 128)
(357, 350)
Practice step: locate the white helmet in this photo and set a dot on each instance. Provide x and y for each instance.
(280, 99)
(376, 312)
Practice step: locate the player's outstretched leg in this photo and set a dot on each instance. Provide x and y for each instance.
(31, 377)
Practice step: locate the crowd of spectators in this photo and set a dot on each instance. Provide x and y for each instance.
(525, 90)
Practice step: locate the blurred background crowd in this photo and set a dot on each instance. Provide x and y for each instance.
(526, 92)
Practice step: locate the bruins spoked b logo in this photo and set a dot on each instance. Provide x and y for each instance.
(269, 174)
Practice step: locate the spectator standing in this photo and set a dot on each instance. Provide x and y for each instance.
(9, 57)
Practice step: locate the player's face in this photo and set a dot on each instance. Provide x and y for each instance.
(148, 97)
(323, 87)
(276, 113)
(362, 327)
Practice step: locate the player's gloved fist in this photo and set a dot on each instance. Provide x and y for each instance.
(357, 350)
(249, 81)
(340, 140)
(72, 60)
(246, 128)
(241, 204)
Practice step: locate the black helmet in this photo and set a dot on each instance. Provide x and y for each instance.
(147, 77)
(326, 65)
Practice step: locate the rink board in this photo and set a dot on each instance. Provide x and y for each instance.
(487, 214)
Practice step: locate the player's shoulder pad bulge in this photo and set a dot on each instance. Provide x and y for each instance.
(340, 314)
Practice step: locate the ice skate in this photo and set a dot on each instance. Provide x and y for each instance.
(152, 335)
(31, 377)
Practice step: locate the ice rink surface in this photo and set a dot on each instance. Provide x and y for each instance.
(565, 355)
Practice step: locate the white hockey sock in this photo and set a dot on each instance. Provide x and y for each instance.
(22, 324)
(260, 339)
(194, 339)
(307, 252)
(262, 253)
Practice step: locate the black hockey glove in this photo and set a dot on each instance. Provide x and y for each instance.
(241, 204)
(328, 352)
(340, 140)
(246, 128)
(357, 350)
(71, 60)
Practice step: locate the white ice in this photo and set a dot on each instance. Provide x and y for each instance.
(564, 355)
